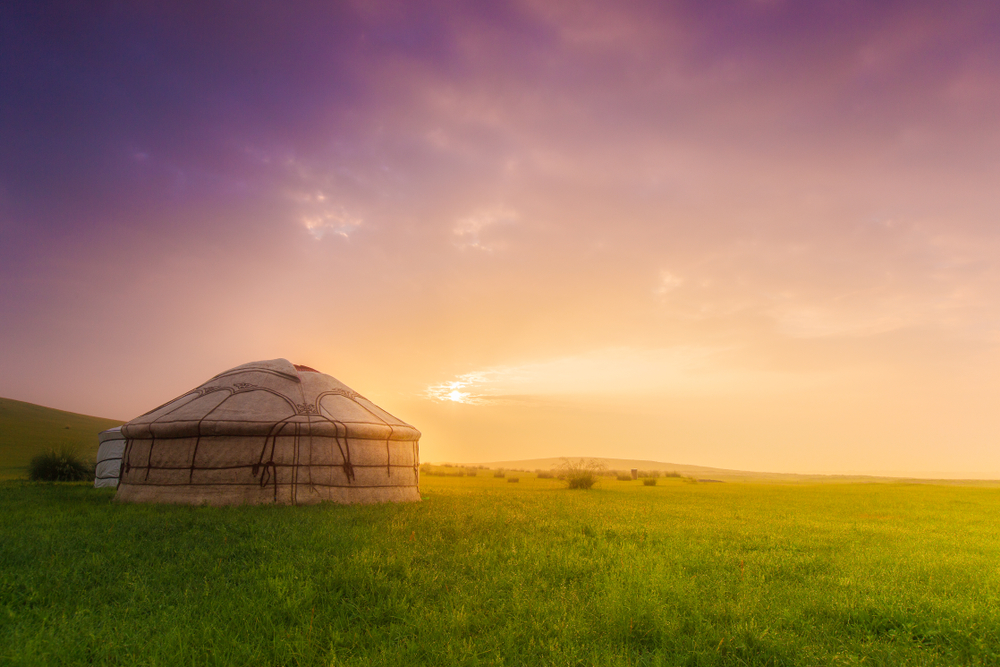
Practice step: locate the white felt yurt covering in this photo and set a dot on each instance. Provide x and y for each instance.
(269, 432)
(109, 457)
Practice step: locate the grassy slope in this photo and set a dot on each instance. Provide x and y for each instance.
(27, 429)
(488, 572)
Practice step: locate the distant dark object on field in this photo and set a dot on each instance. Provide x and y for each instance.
(581, 473)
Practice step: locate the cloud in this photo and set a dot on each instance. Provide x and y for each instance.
(453, 390)
(479, 230)
(668, 283)
(321, 217)
(617, 373)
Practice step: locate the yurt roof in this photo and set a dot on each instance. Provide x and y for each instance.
(114, 433)
(257, 397)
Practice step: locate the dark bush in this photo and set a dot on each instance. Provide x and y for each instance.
(623, 478)
(61, 466)
(498, 473)
(513, 479)
(649, 481)
(583, 481)
(545, 475)
(580, 473)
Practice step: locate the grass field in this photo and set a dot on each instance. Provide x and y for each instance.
(27, 429)
(484, 572)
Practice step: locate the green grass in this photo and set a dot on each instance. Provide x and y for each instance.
(27, 429)
(483, 572)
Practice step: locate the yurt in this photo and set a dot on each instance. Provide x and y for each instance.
(109, 457)
(269, 432)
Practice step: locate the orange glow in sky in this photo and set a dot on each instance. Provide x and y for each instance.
(752, 235)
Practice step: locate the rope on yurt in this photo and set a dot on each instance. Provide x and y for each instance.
(268, 469)
(353, 396)
(126, 465)
(149, 458)
(388, 455)
(345, 451)
(294, 490)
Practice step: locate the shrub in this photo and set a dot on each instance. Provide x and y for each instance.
(61, 466)
(498, 473)
(513, 479)
(624, 478)
(580, 473)
(445, 471)
(649, 481)
(672, 473)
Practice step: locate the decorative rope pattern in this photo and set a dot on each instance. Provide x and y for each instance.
(265, 469)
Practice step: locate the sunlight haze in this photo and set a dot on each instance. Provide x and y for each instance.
(748, 235)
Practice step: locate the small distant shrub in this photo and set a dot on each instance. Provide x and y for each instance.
(513, 479)
(499, 473)
(61, 466)
(445, 471)
(624, 478)
(542, 474)
(649, 481)
(672, 473)
(580, 473)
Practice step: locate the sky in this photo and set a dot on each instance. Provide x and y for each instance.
(750, 234)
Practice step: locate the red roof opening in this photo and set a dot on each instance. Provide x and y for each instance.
(301, 367)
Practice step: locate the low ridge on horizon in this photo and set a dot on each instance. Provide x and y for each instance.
(726, 474)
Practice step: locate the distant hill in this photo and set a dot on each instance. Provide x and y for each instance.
(698, 472)
(702, 472)
(27, 429)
